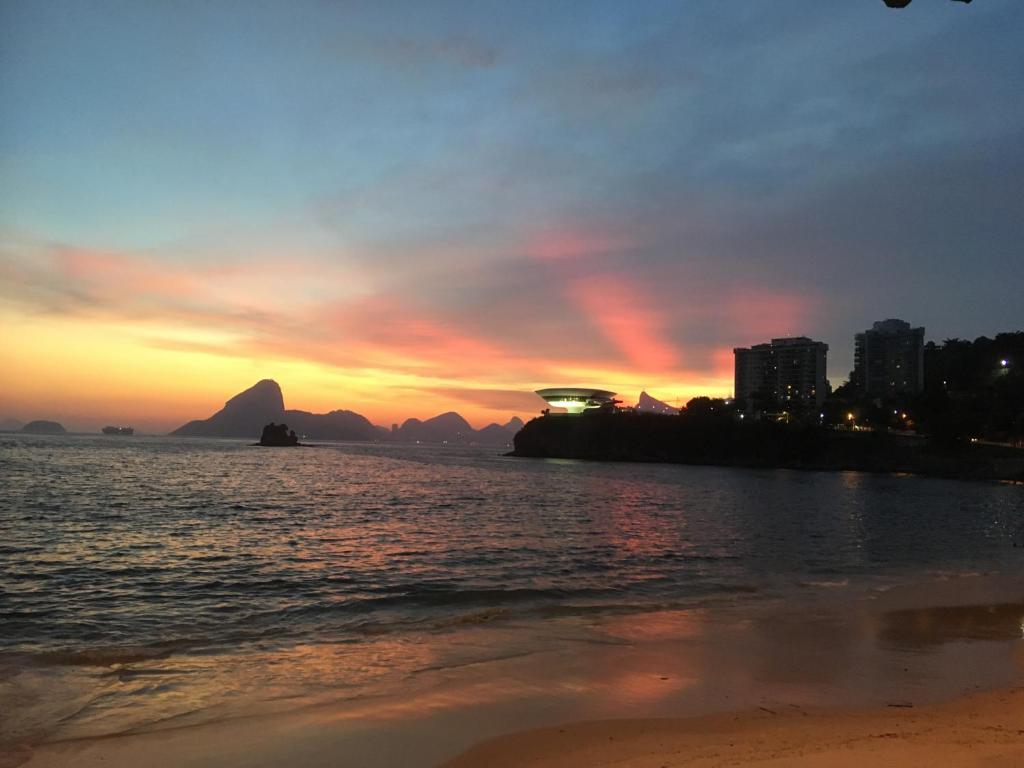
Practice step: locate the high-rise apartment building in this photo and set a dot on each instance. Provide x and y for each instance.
(889, 359)
(784, 372)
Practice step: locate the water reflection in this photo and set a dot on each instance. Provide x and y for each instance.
(925, 628)
(245, 577)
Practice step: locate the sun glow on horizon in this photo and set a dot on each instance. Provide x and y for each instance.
(92, 373)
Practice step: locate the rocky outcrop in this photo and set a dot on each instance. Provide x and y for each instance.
(43, 427)
(278, 436)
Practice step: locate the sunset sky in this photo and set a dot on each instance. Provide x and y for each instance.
(408, 208)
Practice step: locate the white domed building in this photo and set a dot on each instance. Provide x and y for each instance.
(576, 400)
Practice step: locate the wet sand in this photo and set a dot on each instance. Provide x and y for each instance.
(842, 676)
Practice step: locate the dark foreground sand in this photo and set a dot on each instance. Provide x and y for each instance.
(984, 730)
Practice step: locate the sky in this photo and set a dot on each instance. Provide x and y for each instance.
(408, 208)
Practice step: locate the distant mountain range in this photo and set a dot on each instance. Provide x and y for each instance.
(245, 415)
(451, 428)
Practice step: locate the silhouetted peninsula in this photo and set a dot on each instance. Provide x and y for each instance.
(43, 427)
(726, 442)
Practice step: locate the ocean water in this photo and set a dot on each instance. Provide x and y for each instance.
(146, 581)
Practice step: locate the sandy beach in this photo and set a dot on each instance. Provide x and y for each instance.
(980, 730)
(984, 730)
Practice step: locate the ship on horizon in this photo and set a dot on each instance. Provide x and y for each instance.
(118, 431)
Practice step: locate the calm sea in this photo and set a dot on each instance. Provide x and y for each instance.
(148, 579)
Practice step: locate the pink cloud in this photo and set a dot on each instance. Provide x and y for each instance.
(627, 317)
(119, 272)
(759, 314)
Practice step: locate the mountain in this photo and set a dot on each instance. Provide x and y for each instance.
(42, 427)
(244, 415)
(499, 434)
(494, 434)
(10, 425)
(648, 404)
(446, 428)
(336, 425)
(452, 428)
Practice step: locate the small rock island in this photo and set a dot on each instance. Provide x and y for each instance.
(278, 436)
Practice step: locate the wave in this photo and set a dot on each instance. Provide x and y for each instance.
(826, 584)
(113, 655)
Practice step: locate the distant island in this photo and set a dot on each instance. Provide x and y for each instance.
(245, 415)
(43, 427)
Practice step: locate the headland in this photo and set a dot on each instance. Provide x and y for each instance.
(727, 442)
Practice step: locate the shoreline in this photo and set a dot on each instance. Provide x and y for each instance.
(981, 729)
(838, 675)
